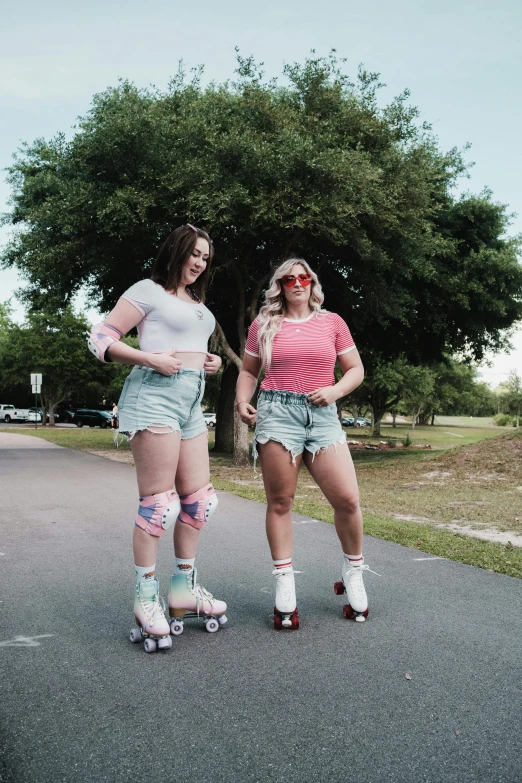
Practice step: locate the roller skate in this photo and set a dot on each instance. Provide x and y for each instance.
(187, 599)
(152, 624)
(352, 584)
(285, 609)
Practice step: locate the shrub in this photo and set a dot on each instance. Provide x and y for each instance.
(504, 420)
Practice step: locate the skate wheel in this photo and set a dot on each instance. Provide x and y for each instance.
(176, 627)
(149, 645)
(165, 643)
(223, 620)
(278, 621)
(212, 625)
(136, 635)
(348, 612)
(295, 621)
(339, 588)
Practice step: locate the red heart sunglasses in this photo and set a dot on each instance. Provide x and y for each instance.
(289, 280)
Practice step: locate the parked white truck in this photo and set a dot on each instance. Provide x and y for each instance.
(10, 413)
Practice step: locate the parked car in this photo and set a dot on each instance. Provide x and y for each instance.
(66, 415)
(92, 418)
(10, 413)
(210, 419)
(7, 412)
(37, 413)
(349, 421)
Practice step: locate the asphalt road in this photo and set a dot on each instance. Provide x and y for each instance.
(330, 702)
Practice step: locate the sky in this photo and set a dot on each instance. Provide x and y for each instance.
(462, 62)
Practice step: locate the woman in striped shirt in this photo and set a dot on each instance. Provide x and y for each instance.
(298, 344)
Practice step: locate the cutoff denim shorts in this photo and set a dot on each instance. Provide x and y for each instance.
(290, 419)
(150, 399)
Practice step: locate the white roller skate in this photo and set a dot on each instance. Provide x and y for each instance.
(187, 599)
(152, 623)
(285, 609)
(353, 585)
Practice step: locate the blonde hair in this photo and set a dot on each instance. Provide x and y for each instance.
(274, 310)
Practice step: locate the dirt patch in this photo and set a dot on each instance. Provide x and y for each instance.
(115, 456)
(488, 534)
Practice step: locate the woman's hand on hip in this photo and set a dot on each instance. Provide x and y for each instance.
(212, 363)
(323, 397)
(247, 413)
(165, 362)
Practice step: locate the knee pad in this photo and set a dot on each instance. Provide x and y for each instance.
(196, 509)
(157, 513)
(101, 338)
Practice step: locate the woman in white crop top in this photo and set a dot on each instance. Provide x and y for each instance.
(160, 412)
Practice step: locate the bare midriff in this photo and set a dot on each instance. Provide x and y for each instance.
(192, 361)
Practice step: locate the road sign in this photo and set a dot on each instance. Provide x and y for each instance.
(37, 388)
(36, 379)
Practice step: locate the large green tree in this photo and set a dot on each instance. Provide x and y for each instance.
(314, 167)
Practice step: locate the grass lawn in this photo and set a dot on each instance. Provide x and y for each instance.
(407, 496)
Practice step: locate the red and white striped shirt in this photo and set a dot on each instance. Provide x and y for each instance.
(304, 352)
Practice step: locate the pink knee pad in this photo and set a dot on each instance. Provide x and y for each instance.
(157, 513)
(101, 338)
(196, 509)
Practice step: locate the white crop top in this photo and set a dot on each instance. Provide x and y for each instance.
(169, 322)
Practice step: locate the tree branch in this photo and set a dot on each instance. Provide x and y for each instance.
(231, 355)
(252, 308)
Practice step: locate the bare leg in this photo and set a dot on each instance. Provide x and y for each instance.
(156, 459)
(280, 480)
(193, 473)
(334, 473)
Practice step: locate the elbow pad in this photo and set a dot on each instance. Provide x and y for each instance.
(101, 337)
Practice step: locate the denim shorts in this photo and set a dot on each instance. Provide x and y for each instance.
(290, 419)
(150, 399)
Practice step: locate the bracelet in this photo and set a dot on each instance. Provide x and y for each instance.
(240, 402)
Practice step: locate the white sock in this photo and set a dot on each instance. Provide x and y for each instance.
(143, 574)
(184, 565)
(286, 562)
(354, 560)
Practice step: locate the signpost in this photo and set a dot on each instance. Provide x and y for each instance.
(36, 383)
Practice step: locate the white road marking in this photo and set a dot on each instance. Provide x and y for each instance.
(2, 553)
(25, 641)
(306, 522)
(418, 559)
(455, 435)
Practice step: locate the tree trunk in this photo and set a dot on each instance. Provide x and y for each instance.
(432, 423)
(376, 421)
(413, 418)
(241, 457)
(225, 410)
(394, 420)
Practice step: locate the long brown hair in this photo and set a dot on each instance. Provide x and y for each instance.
(174, 253)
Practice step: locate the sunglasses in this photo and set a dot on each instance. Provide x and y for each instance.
(289, 280)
